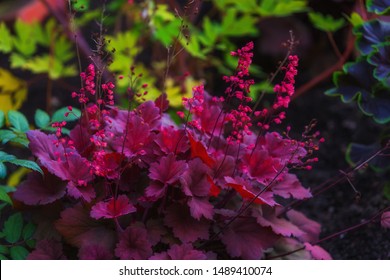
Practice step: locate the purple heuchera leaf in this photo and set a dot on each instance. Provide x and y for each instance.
(39, 190)
(291, 187)
(261, 166)
(79, 229)
(137, 137)
(72, 167)
(310, 228)
(385, 219)
(200, 207)
(133, 244)
(194, 180)
(184, 226)
(85, 192)
(317, 252)
(150, 113)
(112, 208)
(245, 238)
(47, 250)
(283, 149)
(95, 252)
(180, 252)
(168, 170)
(267, 217)
(172, 140)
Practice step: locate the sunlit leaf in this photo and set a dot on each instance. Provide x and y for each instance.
(5, 39)
(236, 25)
(25, 38)
(326, 22)
(17, 176)
(281, 8)
(13, 91)
(80, 5)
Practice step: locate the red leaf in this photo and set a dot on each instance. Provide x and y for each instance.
(198, 150)
(243, 191)
(168, 170)
(214, 189)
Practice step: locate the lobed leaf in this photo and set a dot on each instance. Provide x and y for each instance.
(326, 22)
(5, 39)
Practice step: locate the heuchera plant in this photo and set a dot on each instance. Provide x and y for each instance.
(132, 184)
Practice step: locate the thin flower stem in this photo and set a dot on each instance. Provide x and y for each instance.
(334, 45)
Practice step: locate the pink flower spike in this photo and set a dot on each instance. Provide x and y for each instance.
(112, 208)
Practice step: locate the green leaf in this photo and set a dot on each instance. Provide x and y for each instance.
(3, 195)
(27, 163)
(13, 228)
(42, 119)
(3, 258)
(5, 39)
(18, 121)
(18, 253)
(28, 231)
(355, 19)
(3, 171)
(25, 39)
(2, 119)
(326, 22)
(22, 140)
(234, 25)
(80, 5)
(31, 243)
(4, 249)
(4, 157)
(281, 8)
(59, 115)
(6, 135)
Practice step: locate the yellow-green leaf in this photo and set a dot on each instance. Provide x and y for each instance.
(5, 39)
(13, 91)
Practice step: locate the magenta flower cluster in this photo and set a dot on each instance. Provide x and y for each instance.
(133, 184)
